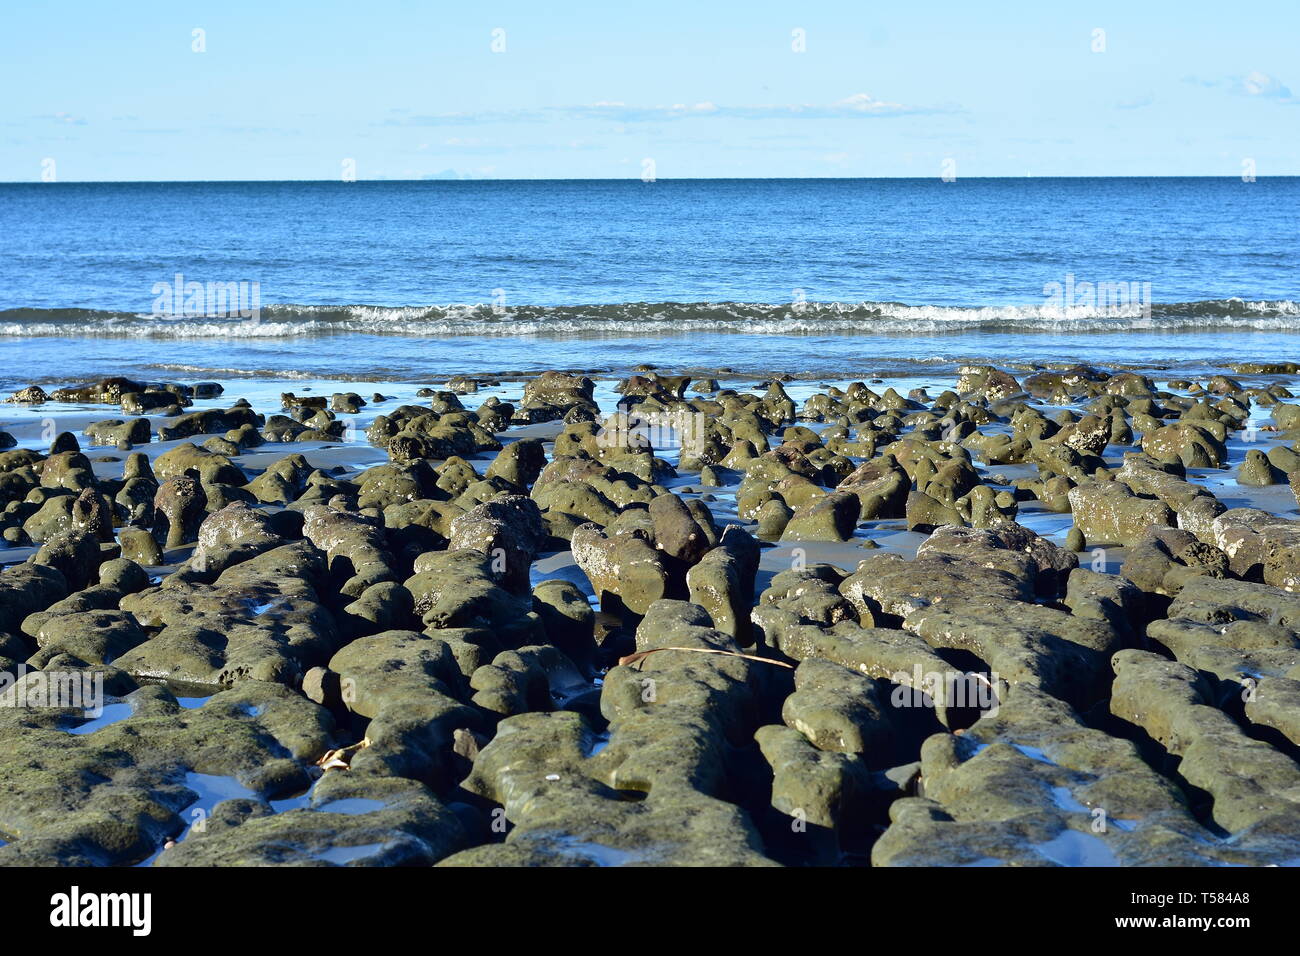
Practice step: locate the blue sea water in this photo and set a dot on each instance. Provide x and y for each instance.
(417, 280)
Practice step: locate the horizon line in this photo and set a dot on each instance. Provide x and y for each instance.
(626, 179)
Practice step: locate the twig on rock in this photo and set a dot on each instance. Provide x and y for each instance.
(640, 656)
(341, 759)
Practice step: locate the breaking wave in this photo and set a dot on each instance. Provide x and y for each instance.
(647, 318)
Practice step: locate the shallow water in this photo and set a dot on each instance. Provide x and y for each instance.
(349, 854)
(366, 358)
(597, 853)
(1064, 799)
(1072, 848)
(111, 714)
(212, 789)
(1035, 754)
(598, 743)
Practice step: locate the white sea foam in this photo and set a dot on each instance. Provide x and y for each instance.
(812, 318)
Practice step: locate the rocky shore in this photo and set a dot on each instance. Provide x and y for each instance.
(1035, 619)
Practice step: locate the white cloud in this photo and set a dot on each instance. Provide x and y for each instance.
(1257, 83)
(866, 103)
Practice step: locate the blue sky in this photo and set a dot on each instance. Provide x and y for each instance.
(407, 90)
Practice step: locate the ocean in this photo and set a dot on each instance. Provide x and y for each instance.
(412, 281)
